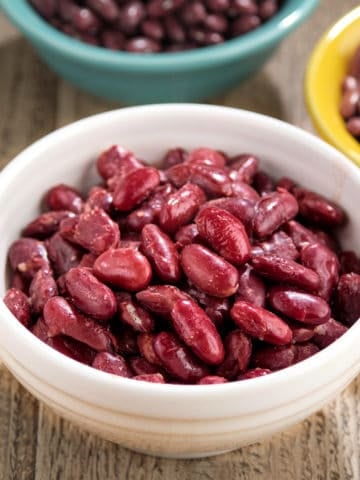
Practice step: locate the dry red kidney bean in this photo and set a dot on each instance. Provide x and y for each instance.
(124, 268)
(325, 263)
(177, 359)
(42, 287)
(64, 197)
(212, 380)
(300, 306)
(208, 271)
(284, 270)
(111, 363)
(18, 304)
(238, 350)
(196, 329)
(180, 207)
(46, 224)
(161, 252)
(131, 313)
(62, 319)
(225, 233)
(93, 230)
(89, 295)
(251, 287)
(231, 275)
(260, 323)
(27, 256)
(272, 211)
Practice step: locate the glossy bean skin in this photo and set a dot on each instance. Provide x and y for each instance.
(299, 234)
(63, 197)
(196, 329)
(279, 244)
(244, 191)
(238, 349)
(349, 262)
(177, 359)
(274, 358)
(260, 323)
(263, 183)
(186, 235)
(124, 268)
(161, 251)
(18, 304)
(62, 319)
(173, 156)
(217, 309)
(214, 181)
(140, 366)
(300, 306)
(251, 287)
(145, 343)
(318, 210)
(347, 298)
(206, 156)
(284, 270)
(160, 298)
(241, 208)
(325, 263)
(134, 188)
(208, 271)
(89, 295)
(131, 313)
(46, 224)
(27, 256)
(246, 166)
(110, 363)
(225, 233)
(62, 254)
(181, 207)
(272, 211)
(328, 332)
(101, 198)
(116, 161)
(254, 373)
(42, 287)
(93, 230)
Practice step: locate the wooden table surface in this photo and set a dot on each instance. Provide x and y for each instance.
(35, 443)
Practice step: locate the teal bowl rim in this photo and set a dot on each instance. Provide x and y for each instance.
(291, 14)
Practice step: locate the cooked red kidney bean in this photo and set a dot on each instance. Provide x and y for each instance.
(226, 275)
(353, 126)
(225, 233)
(272, 211)
(300, 306)
(208, 271)
(214, 181)
(196, 329)
(135, 316)
(238, 350)
(161, 251)
(284, 270)
(177, 359)
(42, 287)
(325, 263)
(180, 207)
(93, 230)
(251, 287)
(27, 256)
(260, 323)
(62, 319)
(19, 305)
(317, 209)
(125, 268)
(110, 363)
(90, 295)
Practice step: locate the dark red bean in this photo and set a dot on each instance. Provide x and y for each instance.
(353, 126)
(131, 313)
(145, 343)
(347, 298)
(305, 351)
(328, 332)
(27, 256)
(113, 40)
(151, 377)
(153, 28)
(196, 329)
(301, 333)
(217, 309)
(111, 363)
(40, 330)
(268, 8)
(62, 254)
(161, 252)
(135, 188)
(193, 13)
(263, 183)
(241, 208)
(212, 380)
(142, 367)
(300, 235)
(116, 161)
(177, 155)
(20, 283)
(160, 298)
(251, 287)
(216, 23)
(260, 323)
(244, 24)
(132, 14)
(349, 262)
(176, 34)
(284, 270)
(238, 350)
(317, 209)
(300, 306)
(89, 295)
(124, 268)
(126, 339)
(274, 358)
(42, 287)
(99, 197)
(208, 271)
(285, 183)
(225, 233)
(18, 304)
(349, 83)
(64, 197)
(244, 6)
(46, 224)
(107, 9)
(214, 181)
(244, 191)
(254, 373)
(349, 103)
(278, 244)
(161, 8)
(179, 174)
(245, 165)
(72, 348)
(178, 360)
(206, 156)
(186, 235)
(142, 45)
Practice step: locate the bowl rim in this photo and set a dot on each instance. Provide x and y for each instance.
(344, 142)
(85, 375)
(290, 15)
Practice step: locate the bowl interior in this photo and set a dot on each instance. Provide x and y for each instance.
(68, 154)
(326, 70)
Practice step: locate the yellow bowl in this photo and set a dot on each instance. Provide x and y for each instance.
(325, 71)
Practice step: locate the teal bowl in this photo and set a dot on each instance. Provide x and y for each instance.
(161, 77)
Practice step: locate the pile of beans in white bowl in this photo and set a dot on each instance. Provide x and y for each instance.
(155, 25)
(202, 271)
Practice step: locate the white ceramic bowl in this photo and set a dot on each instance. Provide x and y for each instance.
(174, 420)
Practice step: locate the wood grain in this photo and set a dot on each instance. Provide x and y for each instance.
(35, 443)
